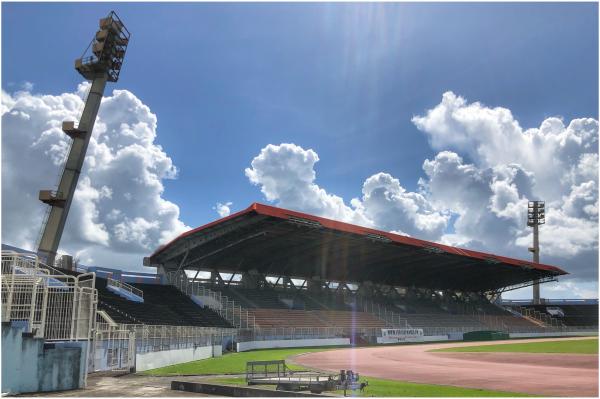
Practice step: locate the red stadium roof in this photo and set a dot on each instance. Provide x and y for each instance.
(437, 253)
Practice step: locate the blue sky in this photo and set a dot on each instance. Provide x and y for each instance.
(345, 80)
(342, 79)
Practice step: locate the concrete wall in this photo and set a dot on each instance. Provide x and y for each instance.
(288, 343)
(153, 360)
(432, 338)
(553, 334)
(29, 365)
(217, 350)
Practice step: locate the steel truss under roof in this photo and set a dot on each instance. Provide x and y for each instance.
(272, 240)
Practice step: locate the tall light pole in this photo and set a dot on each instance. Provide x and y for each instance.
(103, 65)
(536, 216)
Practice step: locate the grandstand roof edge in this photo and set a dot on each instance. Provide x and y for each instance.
(282, 213)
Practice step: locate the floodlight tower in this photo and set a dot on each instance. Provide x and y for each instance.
(100, 65)
(536, 216)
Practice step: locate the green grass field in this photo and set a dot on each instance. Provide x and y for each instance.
(388, 388)
(585, 346)
(234, 363)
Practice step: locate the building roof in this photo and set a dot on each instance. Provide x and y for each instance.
(278, 241)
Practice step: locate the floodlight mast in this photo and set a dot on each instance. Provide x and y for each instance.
(536, 216)
(103, 65)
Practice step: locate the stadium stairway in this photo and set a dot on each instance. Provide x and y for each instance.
(163, 305)
(274, 308)
(573, 315)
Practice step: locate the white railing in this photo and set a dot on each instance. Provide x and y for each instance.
(392, 319)
(113, 348)
(153, 338)
(541, 317)
(116, 345)
(51, 306)
(214, 300)
(295, 333)
(125, 287)
(150, 338)
(27, 263)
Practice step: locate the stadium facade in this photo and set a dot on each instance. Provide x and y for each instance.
(265, 277)
(261, 278)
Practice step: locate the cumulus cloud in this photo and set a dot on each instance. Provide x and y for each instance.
(286, 175)
(27, 86)
(556, 154)
(556, 162)
(118, 214)
(474, 192)
(391, 207)
(223, 209)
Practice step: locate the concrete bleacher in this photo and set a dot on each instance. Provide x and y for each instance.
(452, 314)
(181, 310)
(573, 314)
(287, 308)
(254, 298)
(429, 320)
(163, 305)
(273, 307)
(269, 318)
(277, 307)
(353, 319)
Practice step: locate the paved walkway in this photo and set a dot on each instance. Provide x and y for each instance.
(541, 374)
(126, 386)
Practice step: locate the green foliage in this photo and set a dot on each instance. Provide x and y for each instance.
(585, 346)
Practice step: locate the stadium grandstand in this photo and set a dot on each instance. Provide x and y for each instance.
(288, 269)
(270, 277)
(264, 277)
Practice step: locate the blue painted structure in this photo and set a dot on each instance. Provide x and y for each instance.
(128, 277)
(125, 294)
(33, 365)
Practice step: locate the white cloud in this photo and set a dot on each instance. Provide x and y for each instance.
(118, 214)
(491, 136)
(569, 289)
(27, 86)
(555, 162)
(391, 207)
(479, 203)
(223, 209)
(286, 175)
(473, 192)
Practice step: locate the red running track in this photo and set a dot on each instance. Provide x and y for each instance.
(533, 373)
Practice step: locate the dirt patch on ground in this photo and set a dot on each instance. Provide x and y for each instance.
(541, 374)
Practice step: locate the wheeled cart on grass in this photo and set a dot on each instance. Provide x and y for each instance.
(276, 372)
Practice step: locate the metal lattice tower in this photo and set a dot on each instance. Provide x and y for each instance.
(100, 63)
(536, 216)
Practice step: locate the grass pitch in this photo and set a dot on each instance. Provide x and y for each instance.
(389, 388)
(584, 346)
(234, 363)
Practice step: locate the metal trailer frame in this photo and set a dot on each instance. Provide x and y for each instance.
(276, 372)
